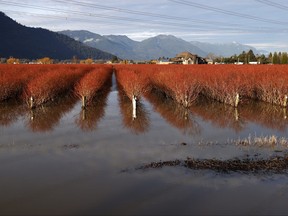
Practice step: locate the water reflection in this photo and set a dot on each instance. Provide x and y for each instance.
(188, 121)
(45, 118)
(10, 111)
(265, 114)
(89, 117)
(137, 125)
(219, 114)
(177, 115)
(224, 116)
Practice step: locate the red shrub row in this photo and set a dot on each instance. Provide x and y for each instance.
(228, 84)
(178, 82)
(131, 80)
(51, 84)
(261, 82)
(13, 79)
(92, 82)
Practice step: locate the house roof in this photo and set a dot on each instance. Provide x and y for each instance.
(185, 55)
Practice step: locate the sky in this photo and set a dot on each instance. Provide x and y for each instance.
(262, 24)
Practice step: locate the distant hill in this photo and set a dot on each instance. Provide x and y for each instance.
(155, 47)
(226, 49)
(120, 46)
(167, 46)
(125, 48)
(33, 43)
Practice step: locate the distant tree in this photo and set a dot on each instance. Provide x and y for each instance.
(125, 61)
(284, 59)
(115, 59)
(74, 60)
(251, 56)
(87, 61)
(275, 58)
(45, 60)
(262, 59)
(12, 60)
(3, 60)
(211, 56)
(270, 57)
(243, 57)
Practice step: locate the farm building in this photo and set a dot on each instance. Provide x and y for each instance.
(188, 58)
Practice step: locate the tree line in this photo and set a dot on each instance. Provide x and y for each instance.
(248, 57)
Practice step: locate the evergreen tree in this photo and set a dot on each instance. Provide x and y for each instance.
(242, 57)
(250, 56)
(284, 59)
(275, 59)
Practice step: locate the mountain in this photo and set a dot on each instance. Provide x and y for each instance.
(167, 46)
(155, 47)
(226, 49)
(120, 46)
(125, 48)
(32, 43)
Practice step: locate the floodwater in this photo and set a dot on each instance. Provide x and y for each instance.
(62, 160)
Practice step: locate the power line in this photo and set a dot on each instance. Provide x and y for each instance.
(99, 15)
(227, 12)
(141, 22)
(273, 4)
(155, 15)
(211, 23)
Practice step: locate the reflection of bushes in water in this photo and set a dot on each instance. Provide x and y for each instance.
(265, 114)
(275, 164)
(220, 114)
(10, 111)
(268, 115)
(136, 125)
(89, 116)
(176, 114)
(45, 118)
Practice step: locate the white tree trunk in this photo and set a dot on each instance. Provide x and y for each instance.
(83, 101)
(236, 114)
(237, 100)
(31, 102)
(134, 113)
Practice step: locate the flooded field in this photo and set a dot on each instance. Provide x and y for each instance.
(64, 160)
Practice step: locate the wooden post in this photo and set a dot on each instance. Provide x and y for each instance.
(134, 104)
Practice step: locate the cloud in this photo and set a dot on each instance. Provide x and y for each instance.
(197, 20)
(270, 46)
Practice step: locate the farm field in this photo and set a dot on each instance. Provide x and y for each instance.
(149, 139)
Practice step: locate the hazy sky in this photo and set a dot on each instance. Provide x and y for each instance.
(260, 23)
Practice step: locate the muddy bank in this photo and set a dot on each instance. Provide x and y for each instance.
(273, 165)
